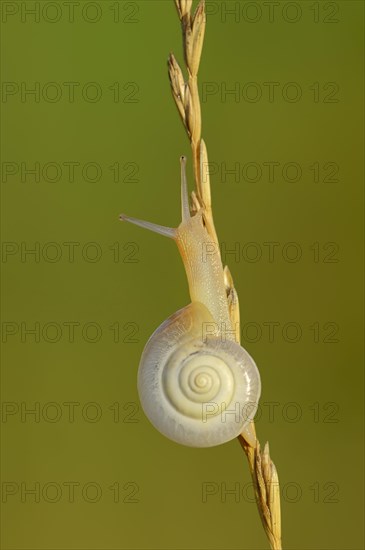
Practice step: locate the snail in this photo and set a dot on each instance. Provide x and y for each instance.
(196, 384)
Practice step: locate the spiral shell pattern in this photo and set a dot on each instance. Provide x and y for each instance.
(192, 376)
(197, 393)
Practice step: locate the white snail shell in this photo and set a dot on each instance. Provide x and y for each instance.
(195, 392)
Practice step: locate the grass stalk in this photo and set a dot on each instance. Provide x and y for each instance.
(186, 96)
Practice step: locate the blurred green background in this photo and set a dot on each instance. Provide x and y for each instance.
(103, 136)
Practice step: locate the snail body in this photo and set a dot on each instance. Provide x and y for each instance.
(196, 384)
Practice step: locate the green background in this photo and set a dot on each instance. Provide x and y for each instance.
(313, 385)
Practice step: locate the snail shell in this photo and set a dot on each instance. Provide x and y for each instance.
(197, 392)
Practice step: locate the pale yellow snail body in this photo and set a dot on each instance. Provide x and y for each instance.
(196, 385)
